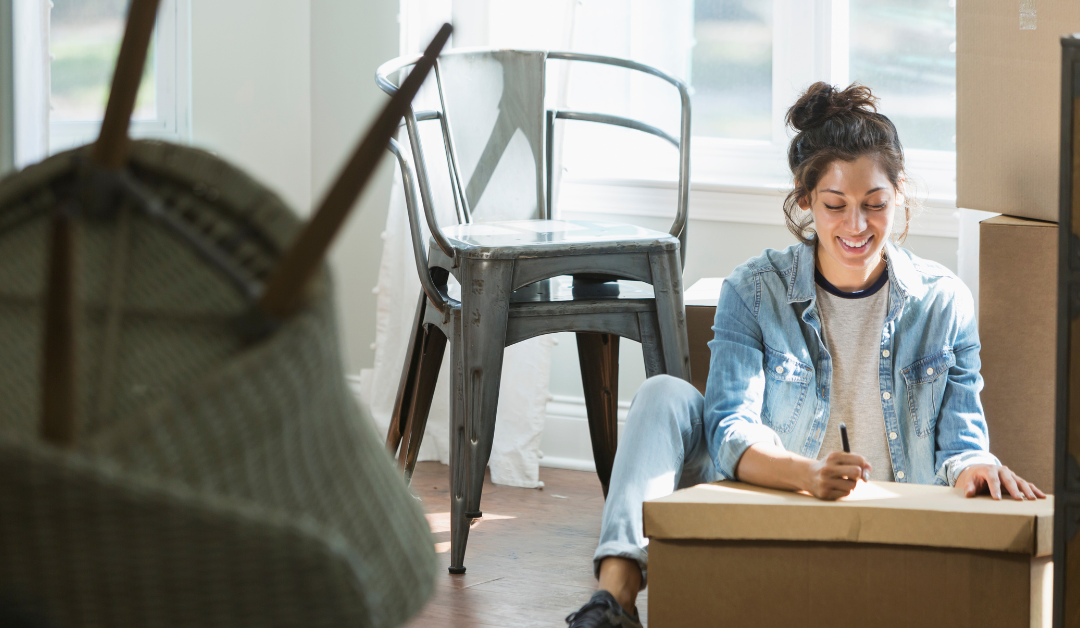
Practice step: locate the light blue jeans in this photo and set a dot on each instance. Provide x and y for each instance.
(662, 449)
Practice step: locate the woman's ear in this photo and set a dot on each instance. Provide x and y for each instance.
(804, 202)
(901, 185)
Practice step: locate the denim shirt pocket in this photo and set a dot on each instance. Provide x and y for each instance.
(925, 380)
(786, 382)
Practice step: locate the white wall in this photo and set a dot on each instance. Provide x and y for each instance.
(250, 89)
(284, 89)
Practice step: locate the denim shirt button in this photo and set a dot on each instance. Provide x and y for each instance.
(900, 475)
(892, 435)
(779, 369)
(886, 396)
(885, 353)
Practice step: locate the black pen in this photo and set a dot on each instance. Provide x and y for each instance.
(843, 439)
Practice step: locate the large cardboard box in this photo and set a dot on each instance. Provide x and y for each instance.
(1008, 103)
(888, 555)
(700, 300)
(1018, 328)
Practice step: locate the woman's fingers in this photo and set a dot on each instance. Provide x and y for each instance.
(1025, 488)
(844, 471)
(993, 483)
(1008, 480)
(1038, 493)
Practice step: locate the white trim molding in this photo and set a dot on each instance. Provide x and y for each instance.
(566, 443)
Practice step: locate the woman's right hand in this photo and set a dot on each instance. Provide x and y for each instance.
(836, 475)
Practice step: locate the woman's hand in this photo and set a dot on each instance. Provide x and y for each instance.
(983, 478)
(836, 475)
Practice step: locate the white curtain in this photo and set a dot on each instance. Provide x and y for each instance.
(523, 395)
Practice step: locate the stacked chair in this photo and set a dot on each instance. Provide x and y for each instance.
(522, 274)
(182, 449)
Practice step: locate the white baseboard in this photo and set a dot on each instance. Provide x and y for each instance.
(566, 443)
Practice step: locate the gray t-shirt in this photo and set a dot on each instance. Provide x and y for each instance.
(852, 335)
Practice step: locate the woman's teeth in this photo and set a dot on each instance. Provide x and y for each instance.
(855, 244)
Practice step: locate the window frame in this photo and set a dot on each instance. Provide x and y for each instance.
(172, 80)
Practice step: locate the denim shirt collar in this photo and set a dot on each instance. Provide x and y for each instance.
(801, 286)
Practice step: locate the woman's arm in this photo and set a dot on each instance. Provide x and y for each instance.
(963, 457)
(765, 464)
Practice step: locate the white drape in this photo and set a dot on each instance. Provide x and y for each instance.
(523, 394)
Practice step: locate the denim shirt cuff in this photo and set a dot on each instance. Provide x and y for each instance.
(737, 440)
(953, 467)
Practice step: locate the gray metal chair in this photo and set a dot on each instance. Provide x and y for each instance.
(521, 273)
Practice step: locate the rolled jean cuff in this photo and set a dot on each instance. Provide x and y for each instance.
(619, 549)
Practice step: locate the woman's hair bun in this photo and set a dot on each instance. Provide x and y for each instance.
(822, 101)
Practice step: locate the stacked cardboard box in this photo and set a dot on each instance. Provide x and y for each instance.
(1008, 74)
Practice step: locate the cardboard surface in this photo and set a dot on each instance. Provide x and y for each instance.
(700, 300)
(1008, 97)
(1017, 328)
(783, 584)
(876, 512)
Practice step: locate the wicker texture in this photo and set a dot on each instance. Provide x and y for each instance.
(215, 482)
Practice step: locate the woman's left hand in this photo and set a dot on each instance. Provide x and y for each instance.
(982, 478)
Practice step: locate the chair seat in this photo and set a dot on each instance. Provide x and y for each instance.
(554, 238)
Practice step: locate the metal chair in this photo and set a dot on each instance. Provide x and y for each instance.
(521, 273)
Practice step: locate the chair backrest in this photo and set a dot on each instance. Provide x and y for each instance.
(494, 106)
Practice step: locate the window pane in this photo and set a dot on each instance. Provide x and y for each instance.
(84, 40)
(905, 51)
(732, 68)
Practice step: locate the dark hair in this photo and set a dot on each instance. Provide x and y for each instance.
(833, 125)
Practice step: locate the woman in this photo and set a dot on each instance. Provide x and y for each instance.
(844, 327)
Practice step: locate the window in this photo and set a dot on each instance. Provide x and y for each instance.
(752, 57)
(84, 40)
(748, 60)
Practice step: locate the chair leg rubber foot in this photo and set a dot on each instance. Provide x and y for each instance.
(475, 514)
(456, 570)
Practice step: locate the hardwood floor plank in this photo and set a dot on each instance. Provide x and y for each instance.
(529, 559)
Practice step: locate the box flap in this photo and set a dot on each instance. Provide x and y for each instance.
(1012, 221)
(876, 512)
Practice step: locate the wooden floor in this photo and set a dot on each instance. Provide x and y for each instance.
(529, 560)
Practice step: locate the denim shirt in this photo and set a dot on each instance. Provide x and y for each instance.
(770, 373)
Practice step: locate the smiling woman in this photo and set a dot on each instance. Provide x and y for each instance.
(845, 327)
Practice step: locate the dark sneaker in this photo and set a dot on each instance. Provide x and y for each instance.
(602, 611)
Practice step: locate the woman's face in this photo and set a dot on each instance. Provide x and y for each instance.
(853, 205)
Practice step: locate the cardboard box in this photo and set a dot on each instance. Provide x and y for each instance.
(888, 555)
(1008, 104)
(1018, 328)
(700, 300)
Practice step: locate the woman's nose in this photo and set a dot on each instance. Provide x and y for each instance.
(856, 221)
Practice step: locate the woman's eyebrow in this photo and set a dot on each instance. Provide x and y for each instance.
(838, 192)
(877, 189)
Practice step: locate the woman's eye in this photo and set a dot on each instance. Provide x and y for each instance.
(881, 206)
(827, 206)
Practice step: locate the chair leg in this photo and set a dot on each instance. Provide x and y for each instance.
(459, 522)
(431, 358)
(650, 344)
(399, 417)
(671, 313)
(598, 355)
(485, 294)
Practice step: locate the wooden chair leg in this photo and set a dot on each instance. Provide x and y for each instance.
(671, 313)
(431, 358)
(598, 355)
(399, 417)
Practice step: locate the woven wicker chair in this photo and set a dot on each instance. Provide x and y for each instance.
(182, 449)
(213, 482)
